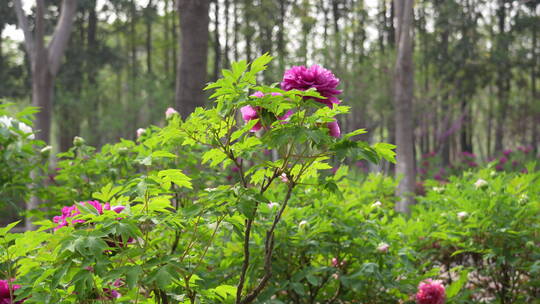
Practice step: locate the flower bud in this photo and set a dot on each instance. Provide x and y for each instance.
(383, 248)
(480, 183)
(140, 132)
(170, 113)
(462, 215)
(78, 141)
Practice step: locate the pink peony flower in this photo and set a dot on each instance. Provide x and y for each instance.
(170, 112)
(507, 152)
(430, 292)
(472, 164)
(503, 160)
(6, 293)
(71, 211)
(284, 178)
(303, 78)
(335, 262)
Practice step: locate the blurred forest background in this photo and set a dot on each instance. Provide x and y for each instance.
(476, 64)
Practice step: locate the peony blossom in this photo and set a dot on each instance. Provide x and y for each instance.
(480, 183)
(303, 78)
(284, 178)
(6, 292)
(335, 262)
(430, 292)
(383, 248)
(507, 152)
(170, 112)
(315, 77)
(71, 211)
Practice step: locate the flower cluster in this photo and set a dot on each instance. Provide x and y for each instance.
(71, 211)
(302, 78)
(6, 292)
(430, 292)
(9, 122)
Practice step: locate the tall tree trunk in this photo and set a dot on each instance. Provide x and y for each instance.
(404, 82)
(503, 78)
(217, 45)
(226, 50)
(45, 61)
(192, 69)
(534, 96)
(149, 19)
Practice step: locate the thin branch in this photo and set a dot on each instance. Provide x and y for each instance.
(60, 38)
(268, 248)
(23, 24)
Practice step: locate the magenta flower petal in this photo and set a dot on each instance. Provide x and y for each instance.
(333, 126)
(249, 113)
(430, 292)
(303, 78)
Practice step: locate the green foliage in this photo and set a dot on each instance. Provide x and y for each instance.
(19, 155)
(170, 200)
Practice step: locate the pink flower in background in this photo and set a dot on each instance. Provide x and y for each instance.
(71, 211)
(6, 293)
(335, 262)
(503, 160)
(468, 154)
(430, 292)
(472, 164)
(324, 81)
(383, 248)
(170, 112)
(507, 152)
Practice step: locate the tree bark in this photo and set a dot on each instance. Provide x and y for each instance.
(192, 70)
(404, 82)
(45, 61)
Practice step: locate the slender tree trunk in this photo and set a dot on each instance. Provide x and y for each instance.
(235, 30)
(217, 45)
(192, 69)
(225, 60)
(149, 20)
(534, 96)
(503, 78)
(404, 82)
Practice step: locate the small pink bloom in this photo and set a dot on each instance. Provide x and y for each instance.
(507, 152)
(383, 248)
(503, 160)
(499, 167)
(250, 113)
(335, 276)
(472, 164)
(335, 262)
(170, 112)
(430, 292)
(284, 178)
(6, 289)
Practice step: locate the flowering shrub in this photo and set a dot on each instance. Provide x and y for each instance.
(179, 201)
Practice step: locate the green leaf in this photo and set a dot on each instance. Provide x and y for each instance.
(456, 286)
(176, 176)
(6, 229)
(132, 276)
(386, 151)
(156, 154)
